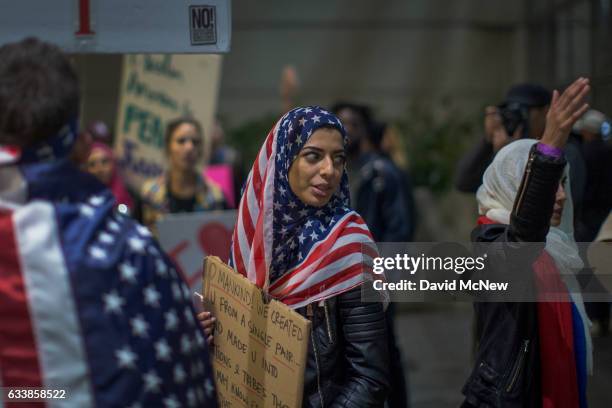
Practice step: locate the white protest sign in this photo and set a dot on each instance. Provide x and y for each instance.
(188, 238)
(119, 26)
(155, 89)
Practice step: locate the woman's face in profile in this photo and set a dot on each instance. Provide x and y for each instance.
(184, 147)
(316, 172)
(560, 198)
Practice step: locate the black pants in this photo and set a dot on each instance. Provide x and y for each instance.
(398, 397)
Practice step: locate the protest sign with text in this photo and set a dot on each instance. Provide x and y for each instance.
(260, 347)
(154, 90)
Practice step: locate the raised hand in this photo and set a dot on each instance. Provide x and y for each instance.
(564, 111)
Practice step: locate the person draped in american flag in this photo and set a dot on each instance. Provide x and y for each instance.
(297, 238)
(90, 307)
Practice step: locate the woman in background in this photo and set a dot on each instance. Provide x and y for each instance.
(102, 164)
(182, 188)
(532, 354)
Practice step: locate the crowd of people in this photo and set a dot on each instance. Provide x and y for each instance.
(80, 275)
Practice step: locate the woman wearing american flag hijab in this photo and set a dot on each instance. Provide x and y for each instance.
(297, 238)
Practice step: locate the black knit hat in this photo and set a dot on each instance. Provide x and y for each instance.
(531, 95)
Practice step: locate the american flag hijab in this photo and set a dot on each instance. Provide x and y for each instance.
(299, 254)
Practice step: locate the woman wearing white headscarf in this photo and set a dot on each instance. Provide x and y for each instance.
(533, 354)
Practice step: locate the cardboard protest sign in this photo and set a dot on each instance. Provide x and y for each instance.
(187, 238)
(260, 349)
(154, 90)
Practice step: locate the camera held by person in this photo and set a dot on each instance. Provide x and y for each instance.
(522, 114)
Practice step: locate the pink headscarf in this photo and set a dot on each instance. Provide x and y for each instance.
(116, 184)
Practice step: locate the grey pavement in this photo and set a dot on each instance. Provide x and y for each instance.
(436, 344)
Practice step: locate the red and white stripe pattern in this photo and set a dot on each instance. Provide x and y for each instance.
(334, 265)
(251, 243)
(9, 154)
(39, 345)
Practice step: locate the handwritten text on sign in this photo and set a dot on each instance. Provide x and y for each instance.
(156, 89)
(260, 349)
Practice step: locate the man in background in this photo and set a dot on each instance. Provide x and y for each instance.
(597, 153)
(378, 195)
(522, 114)
(593, 129)
(88, 302)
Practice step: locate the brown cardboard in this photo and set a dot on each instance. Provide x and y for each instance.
(260, 349)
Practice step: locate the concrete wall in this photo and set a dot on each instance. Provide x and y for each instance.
(100, 76)
(390, 54)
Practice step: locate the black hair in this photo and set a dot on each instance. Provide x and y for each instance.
(175, 123)
(362, 110)
(365, 113)
(530, 95)
(378, 133)
(39, 92)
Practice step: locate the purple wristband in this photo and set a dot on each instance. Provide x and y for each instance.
(550, 150)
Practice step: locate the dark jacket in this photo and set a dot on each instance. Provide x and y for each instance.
(598, 190)
(507, 368)
(347, 354)
(472, 165)
(383, 197)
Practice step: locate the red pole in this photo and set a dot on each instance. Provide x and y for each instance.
(84, 19)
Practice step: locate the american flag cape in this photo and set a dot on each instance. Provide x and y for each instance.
(298, 253)
(88, 302)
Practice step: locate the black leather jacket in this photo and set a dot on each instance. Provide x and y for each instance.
(347, 354)
(506, 372)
